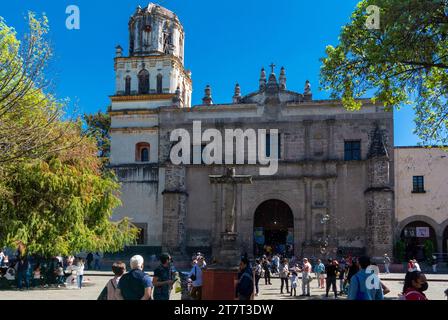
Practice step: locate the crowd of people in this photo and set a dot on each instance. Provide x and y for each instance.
(24, 271)
(356, 277)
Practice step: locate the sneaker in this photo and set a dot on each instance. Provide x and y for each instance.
(308, 295)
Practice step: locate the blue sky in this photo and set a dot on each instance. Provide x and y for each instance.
(226, 42)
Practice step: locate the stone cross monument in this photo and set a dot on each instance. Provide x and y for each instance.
(229, 252)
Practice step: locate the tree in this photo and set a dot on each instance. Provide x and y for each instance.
(27, 113)
(98, 126)
(405, 62)
(63, 204)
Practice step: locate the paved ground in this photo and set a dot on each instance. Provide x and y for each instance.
(437, 285)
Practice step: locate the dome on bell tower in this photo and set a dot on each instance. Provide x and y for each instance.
(154, 30)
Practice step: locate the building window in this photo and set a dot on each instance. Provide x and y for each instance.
(144, 155)
(268, 145)
(143, 82)
(141, 236)
(352, 150)
(159, 83)
(127, 89)
(418, 183)
(142, 152)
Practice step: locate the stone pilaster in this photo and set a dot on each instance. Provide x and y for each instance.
(174, 211)
(379, 198)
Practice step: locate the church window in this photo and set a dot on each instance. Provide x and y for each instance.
(145, 155)
(142, 152)
(352, 150)
(159, 83)
(127, 90)
(418, 183)
(143, 82)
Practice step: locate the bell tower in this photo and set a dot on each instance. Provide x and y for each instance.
(154, 69)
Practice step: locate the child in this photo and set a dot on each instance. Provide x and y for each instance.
(60, 275)
(293, 282)
(36, 276)
(80, 272)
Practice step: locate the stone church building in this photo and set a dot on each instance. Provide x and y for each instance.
(333, 192)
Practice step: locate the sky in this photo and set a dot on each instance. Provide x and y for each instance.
(226, 41)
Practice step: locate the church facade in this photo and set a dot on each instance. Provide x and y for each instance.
(333, 192)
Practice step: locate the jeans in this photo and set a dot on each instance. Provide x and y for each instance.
(257, 279)
(305, 284)
(386, 266)
(23, 275)
(284, 281)
(331, 281)
(97, 264)
(80, 281)
(267, 276)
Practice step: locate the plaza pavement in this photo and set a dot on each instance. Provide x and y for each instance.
(437, 285)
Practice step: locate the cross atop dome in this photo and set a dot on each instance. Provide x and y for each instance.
(272, 67)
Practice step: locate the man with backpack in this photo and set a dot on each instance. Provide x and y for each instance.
(135, 285)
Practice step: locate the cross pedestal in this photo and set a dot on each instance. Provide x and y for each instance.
(219, 280)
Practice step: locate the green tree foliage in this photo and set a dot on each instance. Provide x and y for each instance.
(403, 62)
(27, 114)
(63, 204)
(54, 197)
(99, 127)
(400, 249)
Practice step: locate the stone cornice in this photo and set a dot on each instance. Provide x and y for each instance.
(134, 129)
(142, 97)
(133, 112)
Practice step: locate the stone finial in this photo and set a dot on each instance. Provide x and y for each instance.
(118, 51)
(282, 79)
(307, 90)
(262, 79)
(177, 99)
(237, 94)
(207, 100)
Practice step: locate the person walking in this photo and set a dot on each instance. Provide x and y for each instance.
(245, 285)
(118, 268)
(196, 277)
(306, 278)
(23, 266)
(332, 273)
(386, 263)
(258, 271)
(89, 260)
(163, 278)
(415, 284)
(284, 274)
(80, 272)
(358, 289)
(434, 264)
(135, 285)
(294, 277)
(97, 259)
(267, 271)
(320, 274)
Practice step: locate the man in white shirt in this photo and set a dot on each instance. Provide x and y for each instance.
(306, 274)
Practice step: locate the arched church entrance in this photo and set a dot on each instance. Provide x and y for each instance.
(420, 240)
(273, 229)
